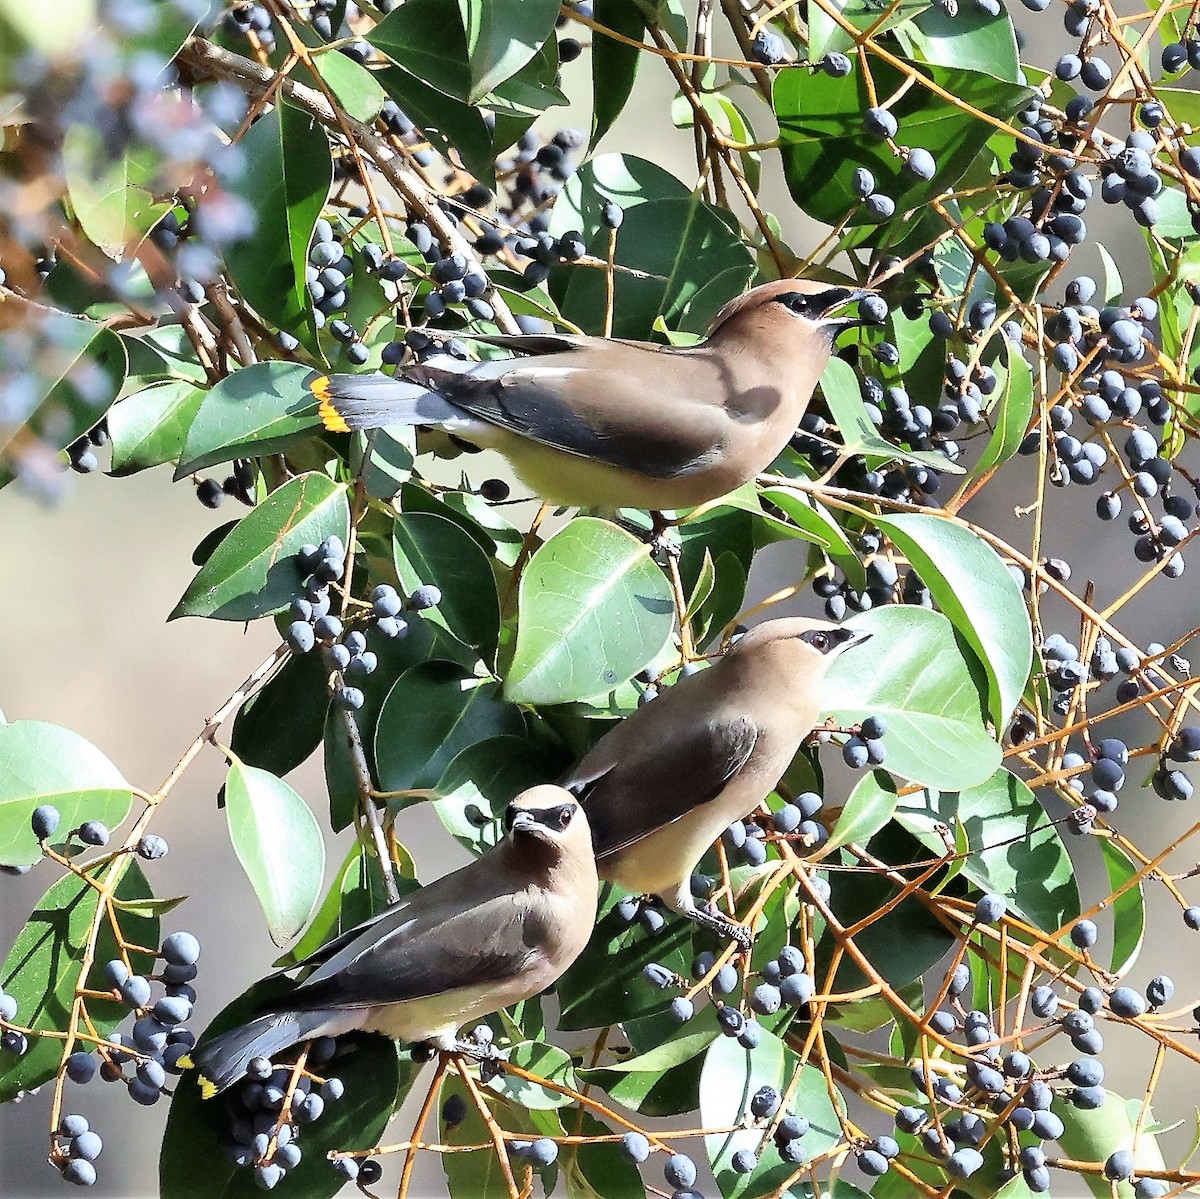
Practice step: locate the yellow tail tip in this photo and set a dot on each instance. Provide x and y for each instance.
(208, 1088)
(185, 1062)
(330, 417)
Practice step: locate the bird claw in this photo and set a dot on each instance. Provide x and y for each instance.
(742, 936)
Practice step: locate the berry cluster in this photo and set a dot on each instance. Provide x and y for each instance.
(269, 1108)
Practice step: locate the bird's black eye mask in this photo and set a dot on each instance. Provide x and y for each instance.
(813, 305)
(825, 640)
(556, 819)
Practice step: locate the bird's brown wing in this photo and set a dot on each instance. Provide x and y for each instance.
(631, 406)
(628, 796)
(425, 945)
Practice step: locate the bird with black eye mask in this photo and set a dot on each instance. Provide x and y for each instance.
(501, 929)
(597, 422)
(662, 785)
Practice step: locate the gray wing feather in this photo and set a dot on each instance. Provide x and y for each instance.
(420, 949)
(628, 796)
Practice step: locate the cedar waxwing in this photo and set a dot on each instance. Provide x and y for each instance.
(501, 929)
(664, 784)
(623, 424)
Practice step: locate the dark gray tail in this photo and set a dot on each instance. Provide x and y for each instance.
(371, 401)
(223, 1060)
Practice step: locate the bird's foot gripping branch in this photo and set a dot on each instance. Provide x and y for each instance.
(754, 906)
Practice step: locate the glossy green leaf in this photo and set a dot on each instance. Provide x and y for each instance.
(978, 593)
(356, 88)
(286, 188)
(826, 35)
(1015, 849)
(108, 192)
(868, 809)
(42, 763)
(162, 353)
(821, 128)
(427, 39)
(614, 63)
(970, 39)
(1012, 413)
(432, 549)
(436, 710)
(691, 261)
(1128, 909)
(918, 675)
(193, 1163)
(502, 36)
(502, 539)
(280, 847)
(257, 410)
(818, 526)
(594, 609)
(637, 1082)
(730, 1077)
(149, 427)
(43, 968)
(255, 570)
(605, 984)
(279, 727)
(483, 779)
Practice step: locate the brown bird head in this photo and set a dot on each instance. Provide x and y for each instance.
(798, 644)
(549, 818)
(799, 307)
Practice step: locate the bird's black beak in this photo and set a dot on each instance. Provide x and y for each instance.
(837, 323)
(851, 638)
(523, 822)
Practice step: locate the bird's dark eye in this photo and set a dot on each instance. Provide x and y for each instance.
(510, 814)
(818, 640)
(798, 303)
(564, 815)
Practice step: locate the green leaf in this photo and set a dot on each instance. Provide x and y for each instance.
(107, 192)
(546, 1061)
(811, 516)
(286, 189)
(823, 141)
(926, 683)
(1128, 909)
(148, 428)
(279, 728)
(435, 710)
(81, 369)
(639, 1082)
(427, 39)
(598, 1169)
(614, 64)
(193, 1163)
(839, 386)
(257, 410)
(433, 549)
(356, 88)
(1015, 849)
(826, 35)
(42, 763)
(1091, 1136)
(483, 779)
(868, 809)
(691, 260)
(730, 1077)
(1012, 413)
(594, 609)
(255, 571)
(43, 968)
(446, 122)
(969, 40)
(502, 36)
(976, 591)
(279, 844)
